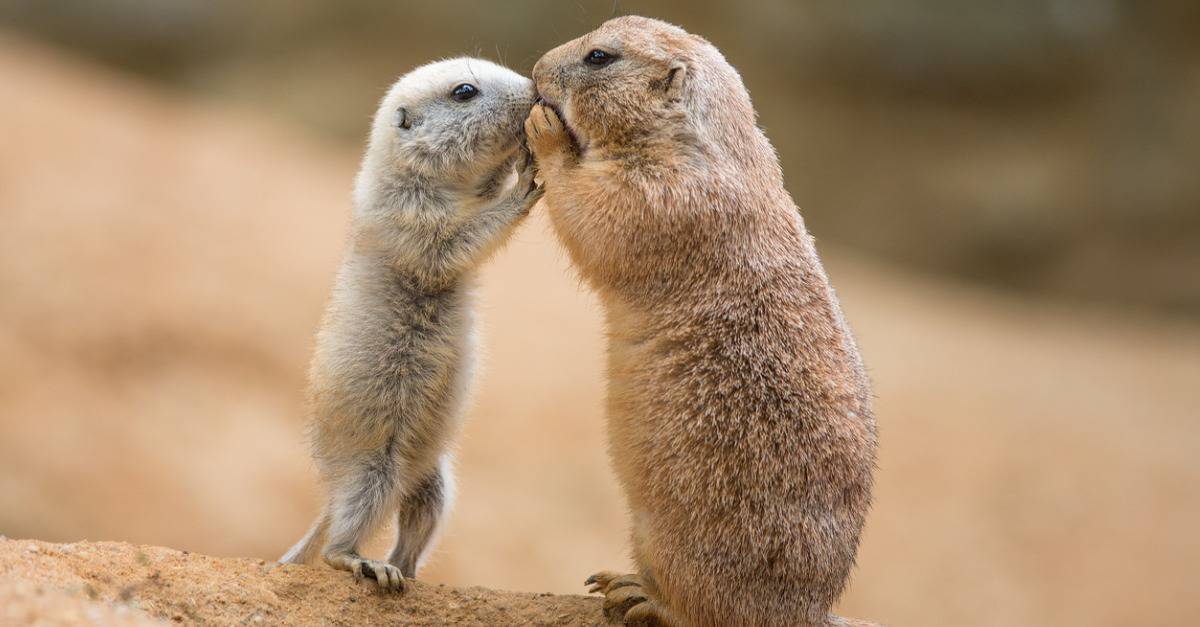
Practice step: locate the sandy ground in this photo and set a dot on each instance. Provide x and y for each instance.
(163, 265)
(113, 583)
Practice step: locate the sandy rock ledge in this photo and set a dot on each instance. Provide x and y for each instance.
(113, 583)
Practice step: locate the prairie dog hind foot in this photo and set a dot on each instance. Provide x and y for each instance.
(386, 576)
(629, 600)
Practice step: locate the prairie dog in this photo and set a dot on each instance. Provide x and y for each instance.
(739, 413)
(436, 194)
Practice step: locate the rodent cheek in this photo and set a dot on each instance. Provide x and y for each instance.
(539, 69)
(553, 80)
(550, 90)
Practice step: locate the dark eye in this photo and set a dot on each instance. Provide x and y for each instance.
(599, 58)
(464, 92)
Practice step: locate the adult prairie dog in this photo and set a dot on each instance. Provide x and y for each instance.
(739, 414)
(443, 183)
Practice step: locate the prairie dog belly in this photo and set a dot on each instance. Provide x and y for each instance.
(392, 358)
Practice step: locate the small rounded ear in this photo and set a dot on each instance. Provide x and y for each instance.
(402, 119)
(676, 76)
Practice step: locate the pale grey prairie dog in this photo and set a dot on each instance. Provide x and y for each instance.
(739, 413)
(443, 182)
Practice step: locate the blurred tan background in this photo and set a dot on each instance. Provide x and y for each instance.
(1006, 197)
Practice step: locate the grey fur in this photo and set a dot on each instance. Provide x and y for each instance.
(394, 355)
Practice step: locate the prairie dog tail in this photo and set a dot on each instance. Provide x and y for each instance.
(310, 545)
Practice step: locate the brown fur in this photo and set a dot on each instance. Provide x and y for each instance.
(739, 413)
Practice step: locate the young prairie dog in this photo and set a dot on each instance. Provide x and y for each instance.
(443, 183)
(739, 414)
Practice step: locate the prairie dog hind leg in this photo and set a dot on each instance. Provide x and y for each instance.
(419, 517)
(359, 501)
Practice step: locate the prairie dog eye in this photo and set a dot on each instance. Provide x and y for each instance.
(599, 58)
(464, 92)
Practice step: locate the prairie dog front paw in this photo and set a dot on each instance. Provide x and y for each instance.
(546, 134)
(527, 191)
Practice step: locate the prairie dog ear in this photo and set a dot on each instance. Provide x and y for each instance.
(676, 76)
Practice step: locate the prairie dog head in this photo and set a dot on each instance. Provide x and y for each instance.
(655, 170)
(456, 121)
(636, 80)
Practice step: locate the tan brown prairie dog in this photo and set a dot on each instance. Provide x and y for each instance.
(443, 183)
(739, 414)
